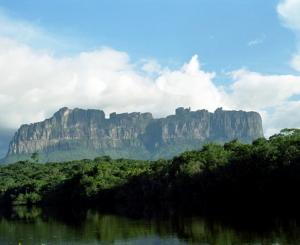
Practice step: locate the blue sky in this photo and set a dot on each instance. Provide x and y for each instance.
(170, 31)
(149, 55)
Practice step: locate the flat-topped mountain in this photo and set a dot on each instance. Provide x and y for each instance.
(76, 133)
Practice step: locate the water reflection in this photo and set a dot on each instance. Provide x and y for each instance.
(35, 226)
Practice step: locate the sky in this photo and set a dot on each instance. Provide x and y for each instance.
(149, 55)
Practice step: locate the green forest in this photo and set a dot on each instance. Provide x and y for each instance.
(264, 174)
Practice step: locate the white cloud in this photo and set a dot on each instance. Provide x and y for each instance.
(20, 30)
(151, 66)
(296, 62)
(287, 115)
(288, 11)
(34, 84)
(257, 41)
(258, 91)
(285, 111)
(191, 86)
(268, 94)
(34, 36)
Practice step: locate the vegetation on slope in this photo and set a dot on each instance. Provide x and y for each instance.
(264, 173)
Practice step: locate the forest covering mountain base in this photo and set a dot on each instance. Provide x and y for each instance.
(264, 175)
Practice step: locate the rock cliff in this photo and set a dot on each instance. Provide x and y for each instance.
(73, 134)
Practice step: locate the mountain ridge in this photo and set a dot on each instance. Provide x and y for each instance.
(78, 133)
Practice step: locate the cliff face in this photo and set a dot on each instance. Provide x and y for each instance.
(79, 133)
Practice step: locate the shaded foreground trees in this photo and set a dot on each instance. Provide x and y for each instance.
(264, 174)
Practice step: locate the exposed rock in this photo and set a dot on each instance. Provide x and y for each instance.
(79, 133)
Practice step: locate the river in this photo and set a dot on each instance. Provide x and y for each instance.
(23, 226)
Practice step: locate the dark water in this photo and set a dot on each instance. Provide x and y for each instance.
(34, 226)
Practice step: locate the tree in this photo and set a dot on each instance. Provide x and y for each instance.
(35, 157)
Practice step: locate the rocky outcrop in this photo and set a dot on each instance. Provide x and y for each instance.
(79, 133)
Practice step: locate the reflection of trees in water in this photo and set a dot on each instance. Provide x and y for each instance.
(33, 226)
(21, 213)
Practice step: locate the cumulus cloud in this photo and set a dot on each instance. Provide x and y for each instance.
(268, 94)
(34, 83)
(191, 86)
(288, 11)
(296, 62)
(151, 66)
(257, 91)
(290, 110)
